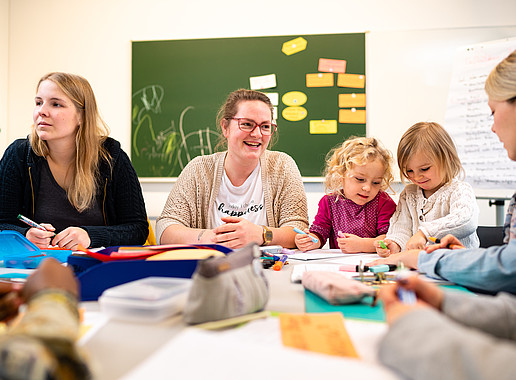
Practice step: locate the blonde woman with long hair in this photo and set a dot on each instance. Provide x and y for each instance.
(69, 176)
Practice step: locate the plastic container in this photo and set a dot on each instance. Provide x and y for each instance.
(149, 299)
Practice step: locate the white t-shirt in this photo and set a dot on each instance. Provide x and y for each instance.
(244, 201)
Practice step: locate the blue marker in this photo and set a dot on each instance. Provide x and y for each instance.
(304, 233)
(405, 295)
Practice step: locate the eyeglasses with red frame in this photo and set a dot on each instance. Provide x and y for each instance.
(248, 125)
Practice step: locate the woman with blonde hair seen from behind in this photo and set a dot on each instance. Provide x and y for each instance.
(356, 209)
(69, 176)
(242, 195)
(437, 203)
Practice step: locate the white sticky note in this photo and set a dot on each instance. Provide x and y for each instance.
(274, 97)
(263, 81)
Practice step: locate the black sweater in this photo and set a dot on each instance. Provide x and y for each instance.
(119, 194)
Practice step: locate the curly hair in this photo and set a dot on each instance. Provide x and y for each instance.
(356, 151)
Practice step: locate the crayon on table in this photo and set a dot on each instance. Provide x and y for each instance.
(297, 230)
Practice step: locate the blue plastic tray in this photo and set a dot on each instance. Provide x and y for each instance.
(16, 251)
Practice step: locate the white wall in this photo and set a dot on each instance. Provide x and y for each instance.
(4, 69)
(93, 38)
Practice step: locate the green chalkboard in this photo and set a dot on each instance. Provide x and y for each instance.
(179, 85)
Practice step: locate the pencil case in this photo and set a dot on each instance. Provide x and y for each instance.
(335, 288)
(226, 287)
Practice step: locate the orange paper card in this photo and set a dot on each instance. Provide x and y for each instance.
(351, 80)
(324, 333)
(319, 80)
(352, 100)
(352, 116)
(332, 65)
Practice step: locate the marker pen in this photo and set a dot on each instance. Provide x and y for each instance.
(32, 223)
(383, 268)
(304, 233)
(450, 246)
(382, 244)
(279, 264)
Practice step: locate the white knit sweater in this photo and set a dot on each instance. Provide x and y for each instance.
(452, 209)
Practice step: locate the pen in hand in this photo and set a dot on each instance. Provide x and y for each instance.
(32, 223)
(297, 230)
(450, 246)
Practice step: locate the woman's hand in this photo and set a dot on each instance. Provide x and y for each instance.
(408, 258)
(392, 247)
(237, 232)
(304, 242)
(39, 237)
(71, 237)
(428, 295)
(417, 241)
(449, 241)
(50, 275)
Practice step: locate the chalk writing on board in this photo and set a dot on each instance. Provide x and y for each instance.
(468, 119)
(170, 148)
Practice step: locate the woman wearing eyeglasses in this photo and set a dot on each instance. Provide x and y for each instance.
(242, 195)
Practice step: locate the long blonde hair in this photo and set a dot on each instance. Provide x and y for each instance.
(91, 134)
(355, 151)
(501, 83)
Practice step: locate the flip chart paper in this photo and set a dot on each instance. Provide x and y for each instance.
(319, 80)
(351, 80)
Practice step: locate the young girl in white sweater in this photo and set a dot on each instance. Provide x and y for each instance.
(437, 203)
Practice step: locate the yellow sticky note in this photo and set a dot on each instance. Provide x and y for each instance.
(352, 100)
(352, 116)
(351, 80)
(294, 46)
(294, 98)
(323, 126)
(332, 65)
(319, 80)
(294, 113)
(324, 333)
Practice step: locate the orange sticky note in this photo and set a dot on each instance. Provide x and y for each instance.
(352, 116)
(324, 333)
(323, 127)
(332, 65)
(351, 80)
(352, 100)
(319, 80)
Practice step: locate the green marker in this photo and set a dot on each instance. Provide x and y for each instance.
(382, 244)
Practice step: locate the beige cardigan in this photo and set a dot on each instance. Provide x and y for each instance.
(197, 186)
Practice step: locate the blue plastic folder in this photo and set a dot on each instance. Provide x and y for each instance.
(16, 251)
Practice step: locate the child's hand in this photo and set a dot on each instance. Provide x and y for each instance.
(304, 242)
(392, 247)
(417, 241)
(349, 243)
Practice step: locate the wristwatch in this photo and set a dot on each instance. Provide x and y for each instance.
(267, 235)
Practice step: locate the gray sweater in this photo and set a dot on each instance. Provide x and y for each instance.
(473, 338)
